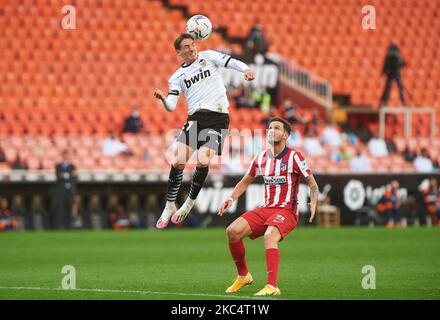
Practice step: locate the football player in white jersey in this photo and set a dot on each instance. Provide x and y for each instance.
(199, 79)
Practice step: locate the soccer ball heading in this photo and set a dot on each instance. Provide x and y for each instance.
(199, 27)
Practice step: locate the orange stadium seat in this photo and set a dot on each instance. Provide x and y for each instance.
(58, 84)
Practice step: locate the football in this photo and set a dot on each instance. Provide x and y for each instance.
(199, 27)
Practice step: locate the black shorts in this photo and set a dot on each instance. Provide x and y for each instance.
(205, 129)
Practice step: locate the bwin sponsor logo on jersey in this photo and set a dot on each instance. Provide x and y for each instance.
(197, 78)
(274, 180)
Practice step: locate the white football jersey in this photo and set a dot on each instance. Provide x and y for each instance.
(201, 81)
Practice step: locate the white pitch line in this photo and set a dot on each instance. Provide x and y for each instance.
(139, 292)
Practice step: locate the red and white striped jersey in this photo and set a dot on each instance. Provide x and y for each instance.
(281, 175)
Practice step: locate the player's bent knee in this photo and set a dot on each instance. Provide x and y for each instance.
(230, 231)
(179, 162)
(270, 241)
(203, 164)
(203, 161)
(233, 233)
(272, 237)
(204, 157)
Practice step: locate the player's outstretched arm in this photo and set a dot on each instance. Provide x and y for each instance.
(314, 194)
(240, 66)
(169, 102)
(236, 193)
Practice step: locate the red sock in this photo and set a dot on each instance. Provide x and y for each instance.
(272, 262)
(239, 255)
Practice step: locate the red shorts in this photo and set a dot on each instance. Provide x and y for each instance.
(259, 219)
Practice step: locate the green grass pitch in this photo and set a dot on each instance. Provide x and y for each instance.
(316, 263)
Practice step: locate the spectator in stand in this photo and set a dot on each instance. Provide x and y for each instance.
(314, 122)
(422, 162)
(133, 123)
(261, 98)
(273, 112)
(19, 164)
(391, 68)
(290, 112)
(360, 163)
(295, 139)
(113, 146)
(350, 138)
(408, 155)
(344, 154)
(7, 221)
(391, 146)
(256, 42)
(242, 97)
(330, 135)
(312, 146)
(377, 146)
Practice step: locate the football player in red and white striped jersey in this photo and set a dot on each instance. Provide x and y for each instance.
(282, 169)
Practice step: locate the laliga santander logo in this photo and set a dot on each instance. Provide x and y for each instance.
(354, 194)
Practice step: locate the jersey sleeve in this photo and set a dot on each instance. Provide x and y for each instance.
(220, 59)
(174, 87)
(174, 90)
(252, 171)
(226, 61)
(300, 165)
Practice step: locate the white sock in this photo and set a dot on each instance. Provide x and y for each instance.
(170, 204)
(190, 202)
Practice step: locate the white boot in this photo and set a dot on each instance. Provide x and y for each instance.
(183, 212)
(169, 210)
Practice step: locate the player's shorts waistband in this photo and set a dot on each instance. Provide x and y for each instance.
(208, 110)
(207, 114)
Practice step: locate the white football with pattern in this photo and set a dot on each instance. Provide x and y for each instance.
(199, 27)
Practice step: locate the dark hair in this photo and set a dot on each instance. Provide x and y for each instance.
(285, 123)
(180, 38)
